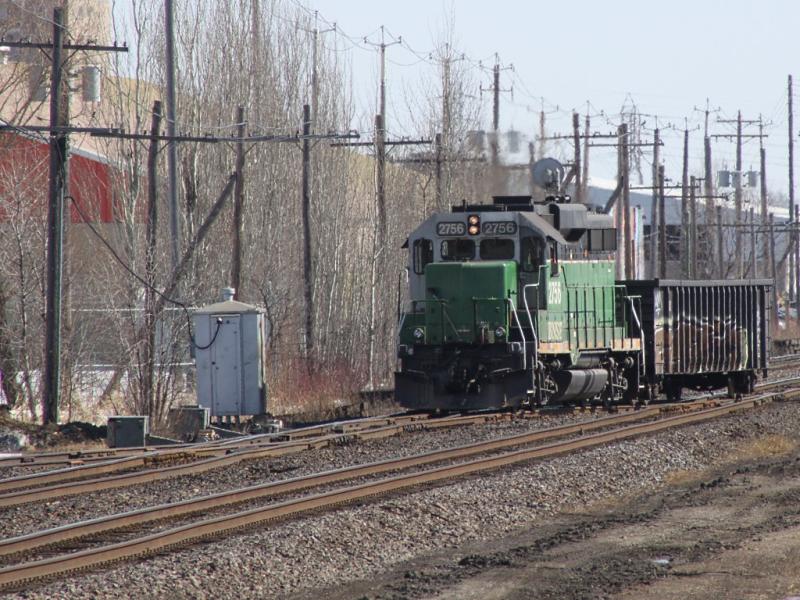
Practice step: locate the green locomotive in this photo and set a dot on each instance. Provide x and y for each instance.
(516, 303)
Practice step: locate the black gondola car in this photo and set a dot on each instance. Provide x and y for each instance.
(703, 334)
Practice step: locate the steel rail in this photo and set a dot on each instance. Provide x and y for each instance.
(220, 457)
(81, 457)
(208, 449)
(112, 522)
(213, 527)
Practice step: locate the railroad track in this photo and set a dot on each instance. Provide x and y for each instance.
(82, 457)
(49, 485)
(785, 361)
(500, 453)
(144, 465)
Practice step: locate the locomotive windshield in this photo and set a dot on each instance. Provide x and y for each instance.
(458, 249)
(423, 254)
(497, 249)
(532, 253)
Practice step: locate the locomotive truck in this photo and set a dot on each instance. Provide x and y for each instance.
(516, 303)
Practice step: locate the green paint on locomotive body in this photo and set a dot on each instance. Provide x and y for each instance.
(581, 305)
(467, 302)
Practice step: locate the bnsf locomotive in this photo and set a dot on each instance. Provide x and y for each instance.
(516, 303)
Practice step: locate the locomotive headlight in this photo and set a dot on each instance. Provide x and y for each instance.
(474, 222)
(419, 333)
(500, 332)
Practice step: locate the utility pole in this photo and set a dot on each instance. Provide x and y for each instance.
(495, 111)
(685, 243)
(172, 148)
(797, 255)
(626, 200)
(148, 383)
(308, 273)
(315, 33)
(380, 139)
(738, 196)
(753, 244)
(438, 171)
(739, 136)
(238, 206)
(708, 190)
(380, 179)
(692, 229)
(495, 89)
(446, 142)
(541, 132)
(720, 246)
(585, 174)
(55, 229)
(58, 130)
(708, 185)
(576, 133)
(765, 217)
(654, 217)
(794, 283)
(662, 225)
(772, 264)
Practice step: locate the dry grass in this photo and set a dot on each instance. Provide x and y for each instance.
(769, 445)
(316, 392)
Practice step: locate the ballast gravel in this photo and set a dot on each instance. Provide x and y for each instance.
(274, 561)
(19, 520)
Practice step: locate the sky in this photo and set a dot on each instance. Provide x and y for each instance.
(667, 57)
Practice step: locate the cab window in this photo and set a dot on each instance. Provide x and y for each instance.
(497, 249)
(423, 254)
(532, 254)
(458, 249)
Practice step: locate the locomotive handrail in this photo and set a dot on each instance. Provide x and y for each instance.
(530, 320)
(641, 330)
(521, 333)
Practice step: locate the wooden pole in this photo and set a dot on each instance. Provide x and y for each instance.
(626, 203)
(662, 225)
(308, 274)
(794, 282)
(151, 234)
(720, 246)
(765, 209)
(654, 217)
(738, 197)
(576, 140)
(773, 266)
(238, 206)
(685, 258)
(753, 272)
(585, 165)
(55, 231)
(710, 213)
(692, 229)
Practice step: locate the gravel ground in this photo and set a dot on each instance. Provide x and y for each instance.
(356, 542)
(20, 520)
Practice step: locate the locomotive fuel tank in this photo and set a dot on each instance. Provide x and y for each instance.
(579, 384)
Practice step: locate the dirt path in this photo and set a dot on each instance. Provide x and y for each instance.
(732, 532)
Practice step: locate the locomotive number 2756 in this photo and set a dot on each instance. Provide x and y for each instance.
(450, 228)
(499, 228)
